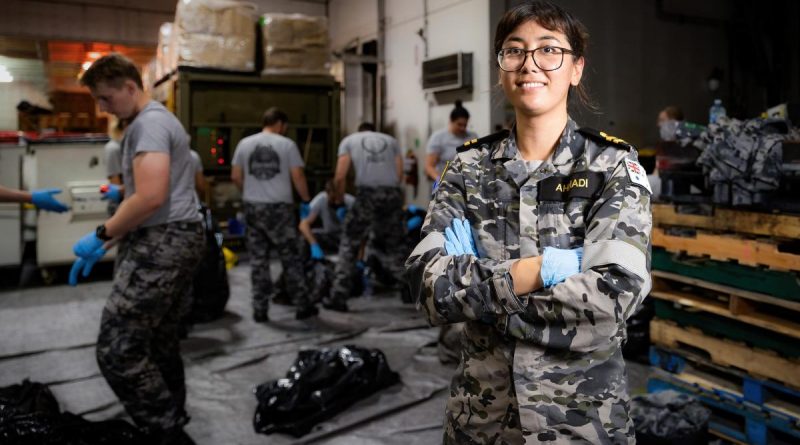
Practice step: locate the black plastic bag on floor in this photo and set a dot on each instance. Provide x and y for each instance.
(210, 283)
(30, 415)
(670, 418)
(319, 385)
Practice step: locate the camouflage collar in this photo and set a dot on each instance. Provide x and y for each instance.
(570, 145)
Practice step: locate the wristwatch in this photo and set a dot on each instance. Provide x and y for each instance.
(101, 233)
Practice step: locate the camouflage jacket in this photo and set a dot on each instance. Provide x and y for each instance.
(546, 366)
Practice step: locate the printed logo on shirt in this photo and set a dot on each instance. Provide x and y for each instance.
(264, 163)
(375, 148)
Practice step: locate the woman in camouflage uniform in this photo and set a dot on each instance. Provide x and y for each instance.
(538, 239)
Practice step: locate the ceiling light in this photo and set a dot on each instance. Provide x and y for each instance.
(86, 65)
(93, 55)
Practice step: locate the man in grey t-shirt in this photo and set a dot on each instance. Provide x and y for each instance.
(265, 166)
(378, 165)
(323, 206)
(137, 348)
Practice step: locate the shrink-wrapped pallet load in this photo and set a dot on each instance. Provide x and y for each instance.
(295, 44)
(218, 34)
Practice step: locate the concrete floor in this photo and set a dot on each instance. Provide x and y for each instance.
(48, 335)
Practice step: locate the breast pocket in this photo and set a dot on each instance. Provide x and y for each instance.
(494, 229)
(562, 224)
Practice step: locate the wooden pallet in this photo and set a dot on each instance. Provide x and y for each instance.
(730, 220)
(764, 311)
(756, 362)
(727, 247)
(718, 326)
(785, 285)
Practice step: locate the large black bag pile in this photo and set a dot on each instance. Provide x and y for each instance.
(319, 385)
(30, 415)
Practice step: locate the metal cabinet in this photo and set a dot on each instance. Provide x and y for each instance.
(76, 165)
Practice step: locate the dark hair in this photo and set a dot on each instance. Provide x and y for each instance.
(274, 115)
(459, 112)
(113, 69)
(673, 113)
(554, 18)
(366, 126)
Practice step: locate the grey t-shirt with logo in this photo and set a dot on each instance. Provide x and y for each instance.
(445, 144)
(374, 157)
(266, 160)
(319, 206)
(155, 129)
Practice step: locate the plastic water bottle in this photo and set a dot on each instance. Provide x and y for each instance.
(716, 111)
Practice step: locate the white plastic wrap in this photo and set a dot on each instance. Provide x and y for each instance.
(165, 60)
(216, 34)
(295, 44)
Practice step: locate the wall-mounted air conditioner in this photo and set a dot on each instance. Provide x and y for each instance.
(453, 72)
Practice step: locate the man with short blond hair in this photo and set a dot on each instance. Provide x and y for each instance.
(137, 349)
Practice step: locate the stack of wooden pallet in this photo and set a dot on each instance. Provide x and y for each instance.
(727, 300)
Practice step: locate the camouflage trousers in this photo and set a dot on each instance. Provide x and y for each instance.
(377, 211)
(138, 349)
(274, 226)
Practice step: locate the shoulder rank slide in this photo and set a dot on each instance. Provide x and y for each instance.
(484, 140)
(601, 136)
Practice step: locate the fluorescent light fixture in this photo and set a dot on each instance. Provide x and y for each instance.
(86, 65)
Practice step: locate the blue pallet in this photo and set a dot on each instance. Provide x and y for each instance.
(759, 420)
(755, 392)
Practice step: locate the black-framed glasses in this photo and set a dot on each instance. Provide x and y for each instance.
(546, 58)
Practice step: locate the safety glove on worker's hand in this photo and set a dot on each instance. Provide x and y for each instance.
(458, 239)
(316, 252)
(89, 250)
(341, 213)
(560, 264)
(111, 192)
(415, 222)
(43, 199)
(305, 210)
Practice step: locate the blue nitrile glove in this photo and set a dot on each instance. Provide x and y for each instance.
(111, 192)
(411, 208)
(89, 250)
(560, 264)
(341, 212)
(43, 199)
(414, 223)
(458, 239)
(305, 210)
(316, 252)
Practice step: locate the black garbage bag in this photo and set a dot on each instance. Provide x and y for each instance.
(210, 283)
(670, 418)
(319, 385)
(75, 430)
(30, 415)
(637, 343)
